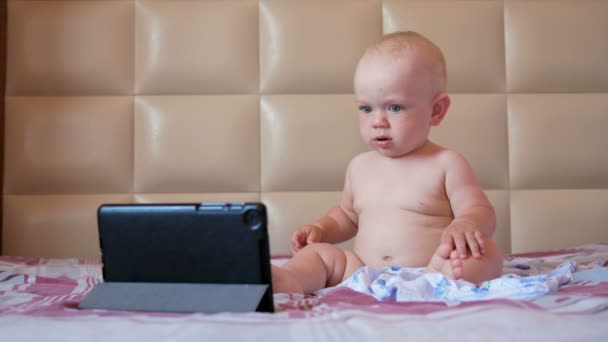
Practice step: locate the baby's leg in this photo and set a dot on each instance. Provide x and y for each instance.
(476, 271)
(314, 267)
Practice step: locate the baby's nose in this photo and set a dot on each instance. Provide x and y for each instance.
(380, 121)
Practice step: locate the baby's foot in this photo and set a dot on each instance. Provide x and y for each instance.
(444, 250)
(451, 268)
(455, 264)
(436, 264)
(284, 282)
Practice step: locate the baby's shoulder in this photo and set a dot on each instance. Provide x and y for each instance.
(450, 158)
(362, 159)
(360, 164)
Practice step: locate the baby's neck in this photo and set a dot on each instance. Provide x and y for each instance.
(427, 147)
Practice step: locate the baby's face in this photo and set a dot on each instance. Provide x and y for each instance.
(395, 102)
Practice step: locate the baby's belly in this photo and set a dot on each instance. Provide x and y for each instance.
(398, 238)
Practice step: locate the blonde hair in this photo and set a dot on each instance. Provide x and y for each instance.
(404, 44)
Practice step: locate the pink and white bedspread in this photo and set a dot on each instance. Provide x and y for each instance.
(39, 299)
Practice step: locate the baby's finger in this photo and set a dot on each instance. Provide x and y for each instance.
(481, 241)
(294, 248)
(313, 237)
(446, 246)
(461, 245)
(296, 240)
(447, 239)
(295, 245)
(473, 246)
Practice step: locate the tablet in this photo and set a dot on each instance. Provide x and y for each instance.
(166, 257)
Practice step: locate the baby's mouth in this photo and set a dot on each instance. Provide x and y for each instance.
(382, 141)
(382, 138)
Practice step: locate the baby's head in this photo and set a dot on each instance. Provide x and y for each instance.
(400, 85)
(411, 47)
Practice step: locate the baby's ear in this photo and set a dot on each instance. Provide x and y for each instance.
(440, 108)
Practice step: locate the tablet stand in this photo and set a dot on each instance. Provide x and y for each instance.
(174, 297)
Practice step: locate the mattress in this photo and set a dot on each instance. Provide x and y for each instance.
(39, 299)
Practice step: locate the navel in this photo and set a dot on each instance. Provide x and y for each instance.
(387, 258)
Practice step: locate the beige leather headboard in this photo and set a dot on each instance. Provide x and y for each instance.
(181, 101)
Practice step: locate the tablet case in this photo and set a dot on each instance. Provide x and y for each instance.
(176, 297)
(209, 257)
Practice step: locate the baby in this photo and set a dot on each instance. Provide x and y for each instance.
(408, 202)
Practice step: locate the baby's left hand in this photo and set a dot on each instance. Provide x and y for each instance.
(462, 236)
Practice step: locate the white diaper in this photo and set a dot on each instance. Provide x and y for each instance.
(411, 284)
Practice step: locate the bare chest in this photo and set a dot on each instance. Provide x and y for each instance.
(418, 189)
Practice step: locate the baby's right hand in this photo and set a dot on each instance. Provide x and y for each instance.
(305, 235)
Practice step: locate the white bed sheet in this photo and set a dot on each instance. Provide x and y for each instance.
(38, 299)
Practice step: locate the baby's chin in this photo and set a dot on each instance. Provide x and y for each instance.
(391, 153)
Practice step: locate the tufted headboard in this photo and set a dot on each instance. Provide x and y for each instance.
(186, 101)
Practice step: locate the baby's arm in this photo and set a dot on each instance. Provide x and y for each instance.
(338, 225)
(474, 217)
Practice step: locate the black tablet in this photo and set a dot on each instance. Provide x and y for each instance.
(182, 257)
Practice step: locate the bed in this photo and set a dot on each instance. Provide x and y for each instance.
(39, 298)
(144, 101)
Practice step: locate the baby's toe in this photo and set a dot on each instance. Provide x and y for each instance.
(456, 264)
(443, 251)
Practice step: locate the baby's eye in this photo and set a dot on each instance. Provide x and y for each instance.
(365, 109)
(395, 108)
